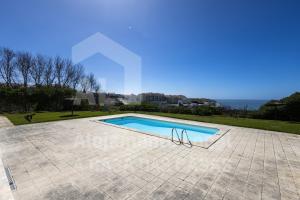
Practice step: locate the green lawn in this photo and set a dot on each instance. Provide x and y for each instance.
(18, 119)
(273, 125)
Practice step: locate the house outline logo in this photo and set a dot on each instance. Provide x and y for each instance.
(98, 43)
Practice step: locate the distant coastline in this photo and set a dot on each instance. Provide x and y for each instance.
(242, 103)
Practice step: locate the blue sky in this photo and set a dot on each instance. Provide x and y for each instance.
(246, 49)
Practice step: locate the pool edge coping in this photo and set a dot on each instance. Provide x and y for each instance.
(206, 144)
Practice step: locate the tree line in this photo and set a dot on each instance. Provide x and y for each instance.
(36, 82)
(22, 69)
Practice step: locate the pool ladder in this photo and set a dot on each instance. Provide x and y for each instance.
(180, 139)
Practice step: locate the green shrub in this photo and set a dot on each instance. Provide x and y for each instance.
(285, 109)
(33, 98)
(140, 107)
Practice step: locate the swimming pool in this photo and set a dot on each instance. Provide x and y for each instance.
(163, 128)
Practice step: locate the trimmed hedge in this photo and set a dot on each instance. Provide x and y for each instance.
(33, 98)
(202, 110)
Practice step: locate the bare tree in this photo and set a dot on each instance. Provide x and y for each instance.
(84, 83)
(24, 63)
(77, 76)
(49, 73)
(97, 87)
(43, 71)
(97, 90)
(92, 81)
(68, 73)
(7, 65)
(59, 69)
(38, 68)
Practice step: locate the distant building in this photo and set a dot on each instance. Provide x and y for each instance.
(156, 98)
(84, 96)
(176, 99)
(131, 99)
(153, 98)
(202, 102)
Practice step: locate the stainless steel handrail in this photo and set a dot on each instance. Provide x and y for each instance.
(174, 129)
(187, 137)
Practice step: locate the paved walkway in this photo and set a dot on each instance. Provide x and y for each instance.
(4, 122)
(81, 159)
(5, 192)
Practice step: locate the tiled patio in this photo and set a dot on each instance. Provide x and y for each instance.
(81, 159)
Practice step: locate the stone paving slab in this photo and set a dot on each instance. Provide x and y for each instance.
(81, 159)
(5, 192)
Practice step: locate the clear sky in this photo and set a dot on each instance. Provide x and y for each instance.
(246, 49)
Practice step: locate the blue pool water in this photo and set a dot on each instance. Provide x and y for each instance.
(163, 128)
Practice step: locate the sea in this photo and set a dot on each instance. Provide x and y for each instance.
(242, 103)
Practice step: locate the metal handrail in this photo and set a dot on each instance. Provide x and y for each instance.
(187, 137)
(174, 129)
